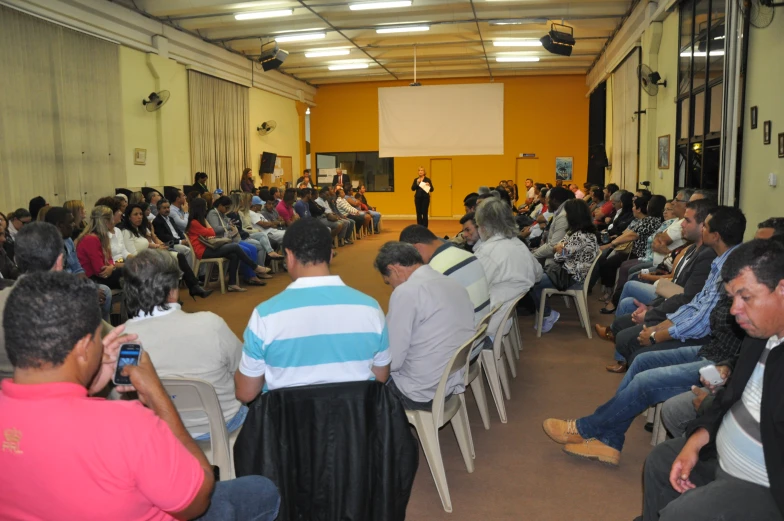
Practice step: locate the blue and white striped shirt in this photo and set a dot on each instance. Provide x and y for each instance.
(692, 320)
(317, 331)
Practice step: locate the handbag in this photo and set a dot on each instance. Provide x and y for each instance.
(214, 243)
(560, 278)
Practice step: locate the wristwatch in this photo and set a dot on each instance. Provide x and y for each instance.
(653, 338)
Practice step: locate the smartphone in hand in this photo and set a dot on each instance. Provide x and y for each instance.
(129, 355)
(712, 375)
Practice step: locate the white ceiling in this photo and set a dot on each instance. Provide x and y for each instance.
(458, 44)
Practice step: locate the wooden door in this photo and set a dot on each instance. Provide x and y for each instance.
(441, 175)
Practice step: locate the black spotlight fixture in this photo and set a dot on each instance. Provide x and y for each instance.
(271, 56)
(559, 41)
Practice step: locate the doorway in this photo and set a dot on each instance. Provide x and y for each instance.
(441, 175)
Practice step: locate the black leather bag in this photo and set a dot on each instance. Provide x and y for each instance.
(561, 278)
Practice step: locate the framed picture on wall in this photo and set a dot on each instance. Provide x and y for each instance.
(781, 144)
(766, 133)
(754, 117)
(563, 168)
(139, 156)
(663, 153)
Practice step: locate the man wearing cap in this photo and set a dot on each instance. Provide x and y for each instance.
(261, 224)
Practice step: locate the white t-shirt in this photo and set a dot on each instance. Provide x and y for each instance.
(119, 251)
(254, 218)
(531, 192)
(675, 232)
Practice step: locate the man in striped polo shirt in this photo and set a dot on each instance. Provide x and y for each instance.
(729, 466)
(283, 350)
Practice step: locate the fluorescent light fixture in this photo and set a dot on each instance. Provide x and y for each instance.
(379, 5)
(404, 29)
(517, 42)
(322, 53)
(703, 54)
(519, 21)
(719, 37)
(308, 30)
(513, 59)
(348, 66)
(300, 37)
(264, 14)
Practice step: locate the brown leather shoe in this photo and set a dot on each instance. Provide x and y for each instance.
(562, 431)
(617, 367)
(594, 449)
(604, 332)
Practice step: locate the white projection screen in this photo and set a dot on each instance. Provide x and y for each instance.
(441, 120)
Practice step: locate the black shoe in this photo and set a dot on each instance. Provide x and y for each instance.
(649, 426)
(198, 291)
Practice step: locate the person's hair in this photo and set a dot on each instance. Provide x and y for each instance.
(136, 198)
(612, 188)
(197, 211)
(56, 215)
(74, 205)
(708, 194)
(302, 192)
(198, 176)
(702, 208)
(641, 203)
(37, 247)
(309, 240)
(656, 205)
(395, 252)
(560, 194)
(324, 190)
(729, 223)
(243, 207)
(207, 196)
(686, 193)
(495, 193)
(543, 193)
(777, 223)
(644, 193)
(150, 195)
(98, 223)
(417, 234)
(597, 194)
(236, 199)
(272, 191)
(126, 224)
(482, 197)
(149, 277)
(110, 202)
(470, 216)
(470, 201)
(192, 195)
(264, 193)
(627, 202)
(578, 216)
(41, 215)
(496, 218)
(223, 200)
(36, 203)
(19, 213)
(765, 259)
(482, 190)
(529, 179)
(161, 202)
(504, 195)
(47, 313)
(616, 196)
(289, 195)
(306, 171)
(245, 172)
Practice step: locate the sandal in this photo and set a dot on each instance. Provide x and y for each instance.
(265, 276)
(275, 255)
(236, 289)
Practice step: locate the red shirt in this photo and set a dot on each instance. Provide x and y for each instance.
(195, 229)
(67, 456)
(286, 212)
(91, 255)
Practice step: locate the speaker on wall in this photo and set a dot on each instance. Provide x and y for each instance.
(267, 164)
(271, 56)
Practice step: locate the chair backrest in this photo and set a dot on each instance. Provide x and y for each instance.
(485, 322)
(459, 361)
(498, 338)
(193, 395)
(194, 260)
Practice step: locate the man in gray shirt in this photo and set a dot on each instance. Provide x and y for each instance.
(558, 225)
(430, 316)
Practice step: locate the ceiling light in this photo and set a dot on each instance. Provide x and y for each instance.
(518, 21)
(307, 111)
(327, 52)
(517, 58)
(404, 29)
(517, 42)
(380, 5)
(348, 66)
(263, 14)
(703, 54)
(308, 30)
(300, 37)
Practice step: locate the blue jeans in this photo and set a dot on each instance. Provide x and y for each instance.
(249, 498)
(652, 378)
(247, 272)
(106, 309)
(376, 217)
(634, 289)
(232, 425)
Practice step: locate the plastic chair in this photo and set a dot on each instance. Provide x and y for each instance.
(659, 431)
(193, 395)
(446, 409)
(210, 263)
(475, 369)
(580, 297)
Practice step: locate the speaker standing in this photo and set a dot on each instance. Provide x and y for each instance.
(422, 186)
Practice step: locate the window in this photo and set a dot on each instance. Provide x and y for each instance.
(700, 92)
(376, 173)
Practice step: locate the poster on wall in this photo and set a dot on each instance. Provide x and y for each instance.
(563, 168)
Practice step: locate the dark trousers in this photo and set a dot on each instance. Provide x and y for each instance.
(609, 268)
(235, 254)
(113, 281)
(407, 402)
(422, 204)
(718, 496)
(187, 273)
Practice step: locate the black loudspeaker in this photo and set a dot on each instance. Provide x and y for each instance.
(559, 42)
(267, 165)
(271, 57)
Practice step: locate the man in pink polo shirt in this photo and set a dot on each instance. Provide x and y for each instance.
(65, 455)
(285, 207)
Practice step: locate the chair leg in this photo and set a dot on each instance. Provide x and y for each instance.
(208, 274)
(659, 431)
(462, 429)
(540, 314)
(518, 341)
(567, 302)
(222, 277)
(428, 437)
(508, 349)
(491, 372)
(503, 377)
(478, 388)
(582, 311)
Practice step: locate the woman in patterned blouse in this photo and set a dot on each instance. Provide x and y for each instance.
(574, 255)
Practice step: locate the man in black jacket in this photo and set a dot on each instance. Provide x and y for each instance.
(729, 466)
(166, 230)
(341, 179)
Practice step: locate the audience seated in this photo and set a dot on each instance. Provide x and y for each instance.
(320, 210)
(76, 207)
(249, 221)
(265, 219)
(729, 464)
(359, 195)
(578, 194)
(181, 345)
(469, 233)
(770, 228)
(225, 228)
(346, 210)
(117, 245)
(573, 257)
(556, 230)
(152, 199)
(350, 224)
(285, 207)
(16, 220)
(8, 269)
(301, 206)
(278, 349)
(430, 316)
(168, 230)
(130, 461)
(94, 250)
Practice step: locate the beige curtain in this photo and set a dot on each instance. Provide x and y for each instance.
(625, 99)
(220, 141)
(61, 130)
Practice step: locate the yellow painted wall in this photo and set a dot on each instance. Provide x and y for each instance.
(545, 115)
(765, 76)
(285, 140)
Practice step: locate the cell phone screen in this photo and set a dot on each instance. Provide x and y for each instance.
(129, 355)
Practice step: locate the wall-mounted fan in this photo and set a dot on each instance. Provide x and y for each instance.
(649, 79)
(156, 100)
(267, 127)
(760, 12)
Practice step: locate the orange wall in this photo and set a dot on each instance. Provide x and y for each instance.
(545, 115)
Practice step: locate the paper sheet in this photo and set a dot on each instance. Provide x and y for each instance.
(424, 186)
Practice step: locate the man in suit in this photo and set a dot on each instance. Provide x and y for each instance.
(168, 232)
(556, 230)
(341, 179)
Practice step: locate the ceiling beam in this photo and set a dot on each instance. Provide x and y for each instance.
(478, 30)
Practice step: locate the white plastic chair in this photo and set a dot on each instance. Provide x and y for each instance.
(193, 395)
(446, 409)
(208, 272)
(473, 377)
(580, 297)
